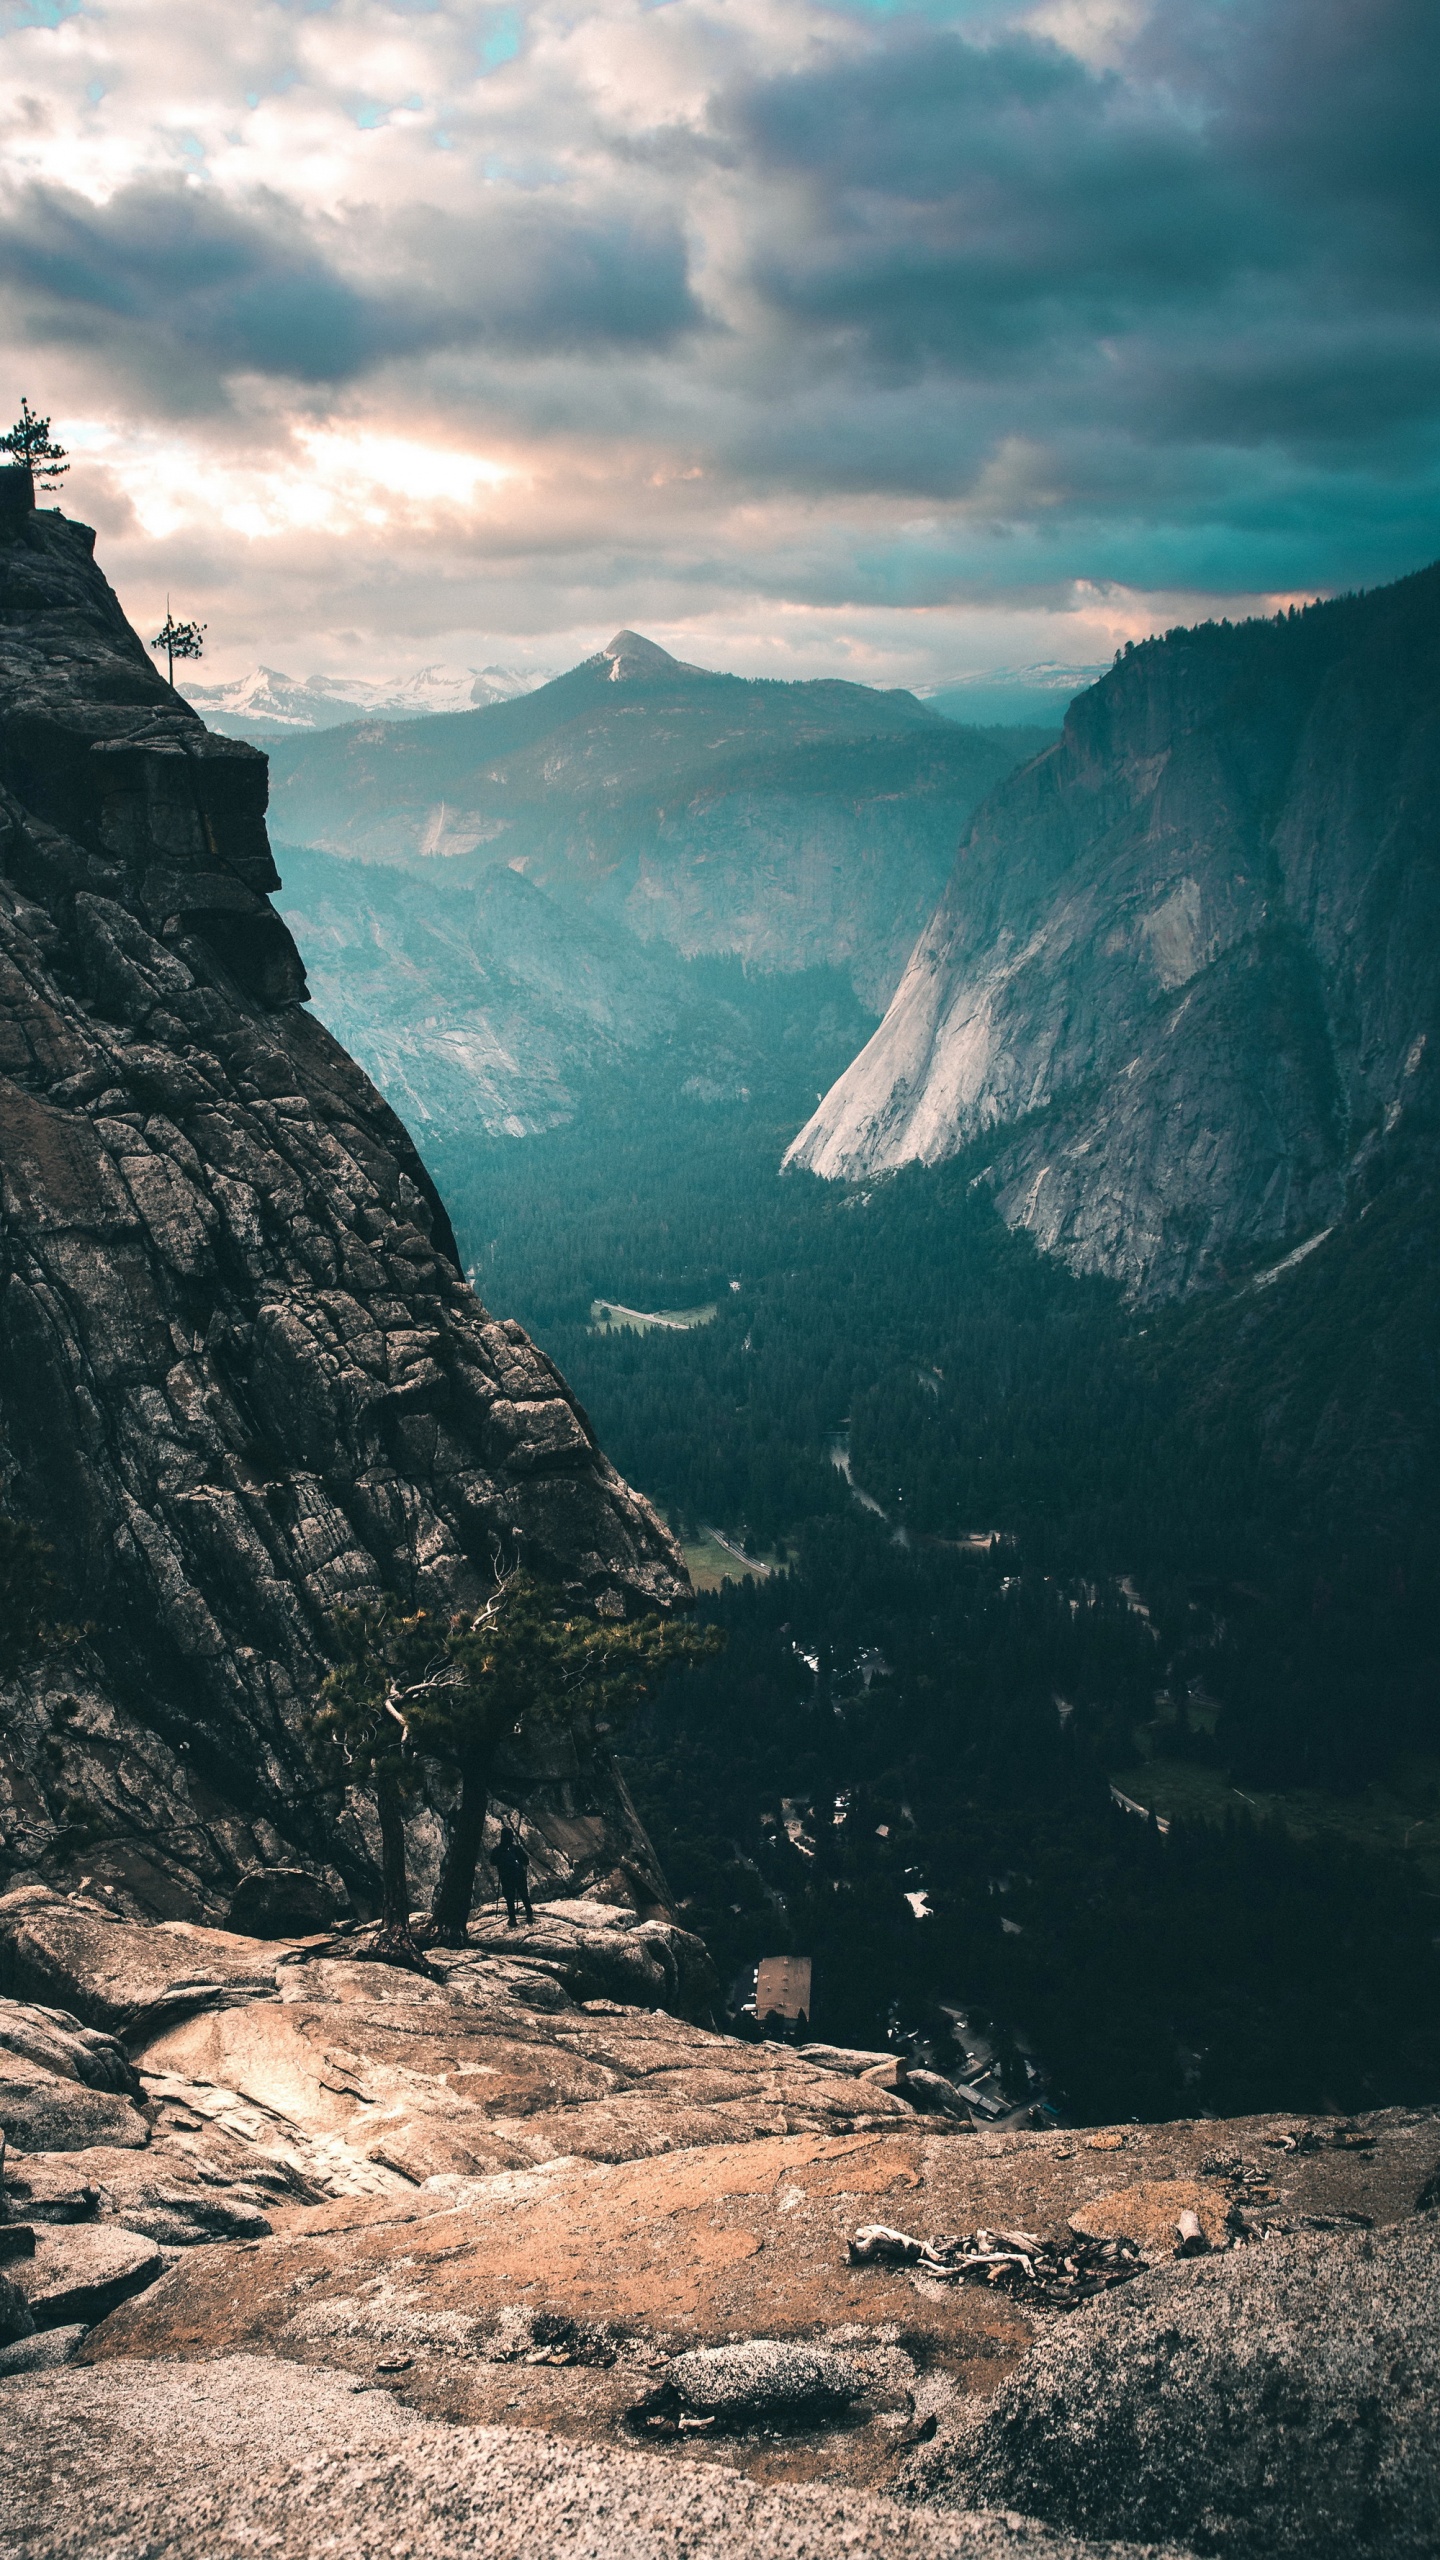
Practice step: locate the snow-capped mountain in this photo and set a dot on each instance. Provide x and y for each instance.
(998, 695)
(265, 704)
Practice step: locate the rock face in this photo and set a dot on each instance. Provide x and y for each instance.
(242, 1379)
(793, 824)
(1184, 976)
(481, 1007)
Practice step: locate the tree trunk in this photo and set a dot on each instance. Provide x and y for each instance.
(455, 1889)
(396, 1942)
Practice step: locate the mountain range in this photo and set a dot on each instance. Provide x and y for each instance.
(265, 704)
(794, 825)
(1039, 692)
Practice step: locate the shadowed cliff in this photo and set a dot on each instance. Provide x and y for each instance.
(242, 1379)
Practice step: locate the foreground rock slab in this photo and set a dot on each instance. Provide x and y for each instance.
(192, 2466)
(567, 2297)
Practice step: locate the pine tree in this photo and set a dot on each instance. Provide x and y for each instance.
(409, 1689)
(31, 443)
(527, 1661)
(179, 640)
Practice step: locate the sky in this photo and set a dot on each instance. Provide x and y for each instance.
(890, 342)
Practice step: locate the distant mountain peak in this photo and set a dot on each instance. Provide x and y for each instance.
(631, 654)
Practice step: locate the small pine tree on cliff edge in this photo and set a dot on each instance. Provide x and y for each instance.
(34, 449)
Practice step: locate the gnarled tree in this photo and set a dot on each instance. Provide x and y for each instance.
(409, 1689)
(526, 1661)
(362, 1719)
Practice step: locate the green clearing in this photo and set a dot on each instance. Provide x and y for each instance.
(607, 1317)
(1399, 1820)
(713, 1560)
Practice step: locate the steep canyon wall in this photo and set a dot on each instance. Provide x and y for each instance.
(242, 1379)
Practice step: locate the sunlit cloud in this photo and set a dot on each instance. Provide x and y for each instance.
(333, 481)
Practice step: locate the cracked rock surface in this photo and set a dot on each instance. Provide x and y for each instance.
(242, 1377)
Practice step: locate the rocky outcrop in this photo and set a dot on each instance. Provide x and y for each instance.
(573, 2037)
(1156, 2417)
(242, 1379)
(1183, 979)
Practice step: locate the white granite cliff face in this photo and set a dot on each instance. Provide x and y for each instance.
(1187, 964)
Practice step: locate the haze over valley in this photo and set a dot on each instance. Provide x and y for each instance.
(1190, 1153)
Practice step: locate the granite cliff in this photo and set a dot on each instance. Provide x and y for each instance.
(242, 1378)
(481, 1006)
(1183, 980)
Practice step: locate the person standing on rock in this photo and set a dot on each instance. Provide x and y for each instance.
(512, 1866)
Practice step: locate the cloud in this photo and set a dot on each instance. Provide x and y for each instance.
(171, 276)
(1158, 253)
(705, 313)
(973, 203)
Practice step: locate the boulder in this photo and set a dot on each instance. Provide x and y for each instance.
(1280, 2402)
(175, 2194)
(123, 1976)
(280, 1902)
(59, 2043)
(43, 2352)
(64, 2086)
(16, 2318)
(607, 1951)
(55, 2114)
(774, 2379)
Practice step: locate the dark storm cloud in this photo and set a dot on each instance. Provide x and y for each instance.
(968, 202)
(1332, 105)
(1231, 237)
(187, 282)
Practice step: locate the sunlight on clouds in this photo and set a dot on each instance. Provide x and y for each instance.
(341, 481)
(365, 462)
